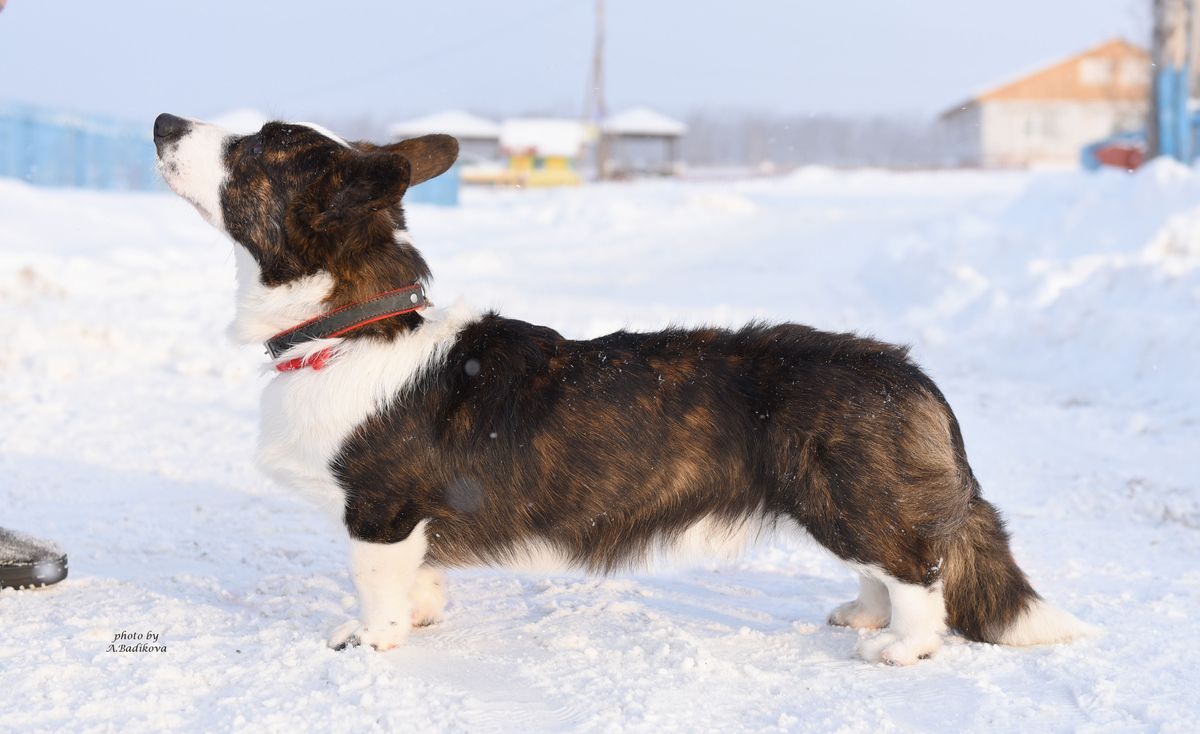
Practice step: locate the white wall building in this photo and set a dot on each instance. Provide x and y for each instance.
(1045, 118)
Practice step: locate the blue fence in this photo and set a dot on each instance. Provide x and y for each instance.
(51, 148)
(442, 190)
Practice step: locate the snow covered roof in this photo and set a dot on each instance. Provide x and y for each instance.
(243, 121)
(643, 121)
(543, 136)
(451, 122)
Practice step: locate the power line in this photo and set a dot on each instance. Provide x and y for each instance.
(415, 61)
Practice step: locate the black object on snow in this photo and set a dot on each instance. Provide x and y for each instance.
(27, 562)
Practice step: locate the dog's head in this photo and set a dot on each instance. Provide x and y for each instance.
(299, 199)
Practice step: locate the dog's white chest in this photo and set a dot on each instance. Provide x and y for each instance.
(302, 430)
(307, 415)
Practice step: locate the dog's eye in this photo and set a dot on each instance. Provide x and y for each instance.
(254, 145)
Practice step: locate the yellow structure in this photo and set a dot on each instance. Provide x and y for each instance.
(537, 170)
(543, 151)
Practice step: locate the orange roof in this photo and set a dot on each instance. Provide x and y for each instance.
(1116, 70)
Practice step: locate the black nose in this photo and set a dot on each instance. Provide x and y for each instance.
(169, 128)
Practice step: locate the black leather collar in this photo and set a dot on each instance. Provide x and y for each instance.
(348, 318)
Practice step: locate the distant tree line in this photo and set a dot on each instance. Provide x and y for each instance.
(741, 139)
(787, 141)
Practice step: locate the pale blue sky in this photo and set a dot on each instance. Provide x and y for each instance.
(300, 58)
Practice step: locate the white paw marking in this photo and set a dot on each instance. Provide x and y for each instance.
(859, 616)
(917, 618)
(890, 648)
(382, 637)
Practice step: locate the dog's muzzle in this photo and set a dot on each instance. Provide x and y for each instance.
(168, 129)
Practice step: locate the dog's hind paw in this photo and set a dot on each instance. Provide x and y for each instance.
(381, 637)
(428, 597)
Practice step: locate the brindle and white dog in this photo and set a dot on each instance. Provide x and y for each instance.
(447, 438)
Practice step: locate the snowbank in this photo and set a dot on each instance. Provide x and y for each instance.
(1060, 313)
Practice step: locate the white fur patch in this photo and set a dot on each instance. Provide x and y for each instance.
(324, 131)
(1043, 624)
(262, 311)
(706, 540)
(385, 575)
(308, 414)
(918, 621)
(538, 557)
(194, 168)
(711, 538)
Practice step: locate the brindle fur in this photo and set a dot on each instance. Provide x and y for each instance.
(301, 203)
(601, 448)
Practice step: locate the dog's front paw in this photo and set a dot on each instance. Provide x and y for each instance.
(382, 637)
(859, 616)
(890, 648)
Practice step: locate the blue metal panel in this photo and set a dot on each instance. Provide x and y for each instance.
(442, 191)
(52, 148)
(1174, 123)
(1183, 123)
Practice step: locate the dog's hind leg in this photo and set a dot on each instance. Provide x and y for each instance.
(917, 625)
(871, 610)
(428, 596)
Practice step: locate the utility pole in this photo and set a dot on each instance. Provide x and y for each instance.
(596, 110)
(1169, 129)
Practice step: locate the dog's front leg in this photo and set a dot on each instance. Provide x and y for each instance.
(384, 575)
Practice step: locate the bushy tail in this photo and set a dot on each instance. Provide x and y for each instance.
(988, 598)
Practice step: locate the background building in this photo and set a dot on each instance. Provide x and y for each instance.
(1048, 116)
(642, 142)
(543, 151)
(478, 137)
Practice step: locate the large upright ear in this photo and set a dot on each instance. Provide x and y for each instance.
(430, 155)
(353, 188)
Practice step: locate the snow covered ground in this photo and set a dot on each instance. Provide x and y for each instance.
(1060, 312)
